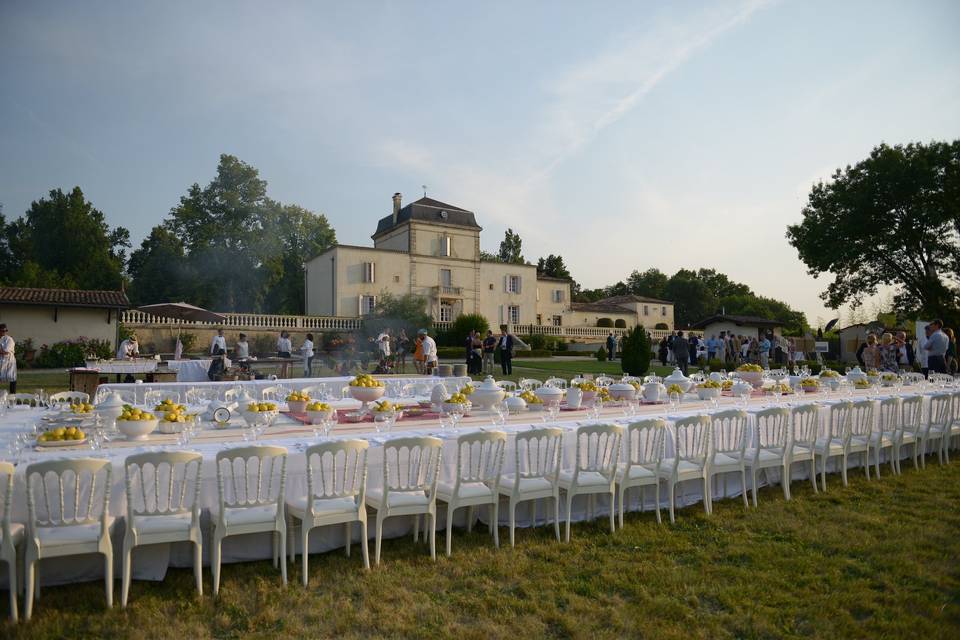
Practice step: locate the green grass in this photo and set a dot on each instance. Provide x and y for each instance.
(51, 380)
(874, 560)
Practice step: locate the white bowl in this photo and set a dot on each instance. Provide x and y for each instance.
(260, 418)
(755, 378)
(316, 416)
(622, 391)
(297, 406)
(367, 394)
(708, 392)
(170, 427)
(137, 429)
(451, 406)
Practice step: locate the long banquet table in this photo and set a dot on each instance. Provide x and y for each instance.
(151, 562)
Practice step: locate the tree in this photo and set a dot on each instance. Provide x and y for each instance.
(510, 248)
(692, 298)
(486, 256)
(553, 267)
(635, 352)
(721, 285)
(407, 312)
(652, 283)
(158, 269)
(63, 241)
(892, 219)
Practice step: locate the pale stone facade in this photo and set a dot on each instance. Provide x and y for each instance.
(432, 249)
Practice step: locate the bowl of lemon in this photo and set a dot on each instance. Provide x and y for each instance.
(136, 424)
(61, 436)
(318, 411)
(297, 401)
(260, 414)
(457, 402)
(173, 419)
(366, 389)
(81, 408)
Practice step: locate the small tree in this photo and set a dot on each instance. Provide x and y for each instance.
(461, 326)
(635, 353)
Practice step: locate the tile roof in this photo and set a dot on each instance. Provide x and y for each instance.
(64, 297)
(600, 307)
(429, 210)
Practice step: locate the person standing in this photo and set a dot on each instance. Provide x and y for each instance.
(951, 351)
(242, 350)
(712, 345)
(905, 354)
(662, 351)
(218, 341)
(889, 352)
(306, 350)
(611, 347)
(8, 359)
(871, 353)
(418, 362)
(693, 347)
(937, 346)
(284, 346)
(430, 359)
(403, 348)
(922, 353)
(489, 347)
(505, 347)
(128, 349)
(468, 350)
(764, 348)
(681, 349)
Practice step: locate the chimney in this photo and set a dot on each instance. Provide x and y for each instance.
(396, 206)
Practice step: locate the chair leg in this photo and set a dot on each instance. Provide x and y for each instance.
(108, 577)
(876, 465)
(495, 522)
(785, 479)
(813, 474)
(556, 516)
(743, 486)
(378, 535)
(865, 460)
(304, 541)
(657, 498)
(364, 545)
(12, 583)
(416, 528)
(450, 527)
(348, 534)
(126, 570)
(623, 493)
(513, 521)
(471, 517)
(843, 469)
(753, 481)
(215, 563)
(613, 522)
(29, 570)
(291, 542)
(273, 540)
(433, 534)
(707, 501)
(673, 495)
(569, 515)
(282, 555)
(198, 565)
(823, 473)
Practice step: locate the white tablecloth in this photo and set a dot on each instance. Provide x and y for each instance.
(334, 385)
(140, 365)
(190, 370)
(152, 562)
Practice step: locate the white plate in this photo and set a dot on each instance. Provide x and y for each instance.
(62, 443)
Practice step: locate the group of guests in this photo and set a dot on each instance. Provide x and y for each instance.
(935, 351)
(482, 351)
(761, 349)
(391, 350)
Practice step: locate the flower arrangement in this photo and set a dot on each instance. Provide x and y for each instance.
(751, 368)
(710, 384)
(675, 388)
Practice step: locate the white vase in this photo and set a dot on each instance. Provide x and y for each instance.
(574, 397)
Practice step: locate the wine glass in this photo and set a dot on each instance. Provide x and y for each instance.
(777, 393)
(497, 414)
(674, 401)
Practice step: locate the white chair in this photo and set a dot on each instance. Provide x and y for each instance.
(20, 399)
(594, 470)
(536, 474)
(154, 397)
(476, 481)
(411, 468)
(858, 436)
(834, 443)
(645, 448)
(937, 426)
(250, 486)
(953, 425)
(69, 397)
(315, 391)
(202, 395)
(73, 521)
(728, 450)
(231, 395)
(273, 394)
(129, 397)
(604, 381)
(163, 506)
(769, 448)
(689, 461)
(507, 385)
(802, 443)
(530, 384)
(911, 426)
(556, 383)
(884, 434)
(577, 380)
(912, 377)
(336, 494)
(11, 534)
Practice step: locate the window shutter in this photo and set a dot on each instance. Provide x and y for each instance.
(506, 284)
(359, 305)
(373, 303)
(501, 314)
(519, 282)
(373, 272)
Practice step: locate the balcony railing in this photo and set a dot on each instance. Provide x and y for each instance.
(443, 290)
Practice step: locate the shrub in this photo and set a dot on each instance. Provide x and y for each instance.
(605, 322)
(620, 323)
(460, 328)
(662, 326)
(72, 353)
(716, 364)
(601, 354)
(20, 351)
(562, 346)
(188, 340)
(262, 344)
(536, 341)
(635, 355)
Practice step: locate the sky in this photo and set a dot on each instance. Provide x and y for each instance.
(620, 135)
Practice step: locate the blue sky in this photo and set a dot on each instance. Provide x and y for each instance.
(620, 135)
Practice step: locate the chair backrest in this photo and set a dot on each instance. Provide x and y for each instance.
(772, 427)
(646, 442)
(128, 396)
(416, 389)
(538, 453)
(598, 449)
(911, 412)
(155, 396)
(163, 483)
(530, 383)
(939, 410)
(202, 395)
(692, 441)
(70, 397)
(14, 399)
(889, 413)
(729, 430)
(315, 390)
(861, 418)
(955, 414)
(838, 425)
(912, 377)
(480, 457)
(6, 498)
(251, 476)
(577, 380)
(337, 469)
(556, 383)
(411, 464)
(272, 393)
(804, 424)
(604, 381)
(67, 492)
(507, 385)
(231, 395)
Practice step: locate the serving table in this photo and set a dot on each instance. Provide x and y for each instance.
(291, 433)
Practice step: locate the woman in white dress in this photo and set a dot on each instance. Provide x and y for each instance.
(306, 350)
(8, 361)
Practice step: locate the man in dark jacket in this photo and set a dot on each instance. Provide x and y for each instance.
(905, 355)
(505, 347)
(611, 346)
(681, 349)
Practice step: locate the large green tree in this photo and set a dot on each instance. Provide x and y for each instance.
(554, 267)
(159, 270)
(692, 298)
(63, 241)
(651, 283)
(511, 248)
(891, 219)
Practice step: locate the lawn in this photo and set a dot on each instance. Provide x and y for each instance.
(876, 559)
